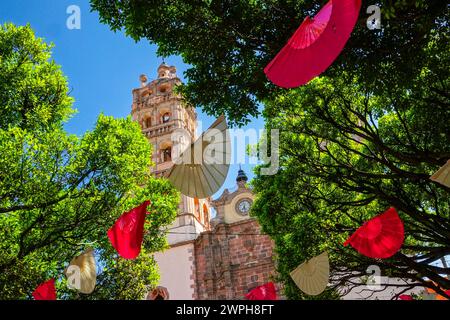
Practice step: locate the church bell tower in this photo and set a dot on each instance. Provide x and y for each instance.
(160, 112)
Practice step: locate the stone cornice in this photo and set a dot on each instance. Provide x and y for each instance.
(226, 197)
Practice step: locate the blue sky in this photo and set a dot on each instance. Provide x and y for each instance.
(102, 67)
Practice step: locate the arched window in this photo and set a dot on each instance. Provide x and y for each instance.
(205, 213)
(167, 154)
(165, 117)
(164, 88)
(197, 208)
(148, 122)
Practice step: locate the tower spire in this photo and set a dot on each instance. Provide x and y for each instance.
(241, 177)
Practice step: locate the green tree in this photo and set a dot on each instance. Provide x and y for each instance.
(347, 154)
(228, 43)
(365, 136)
(60, 193)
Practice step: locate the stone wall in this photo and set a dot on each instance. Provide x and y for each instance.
(231, 260)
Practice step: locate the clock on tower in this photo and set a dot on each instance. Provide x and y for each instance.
(243, 206)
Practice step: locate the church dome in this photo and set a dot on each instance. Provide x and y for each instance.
(241, 176)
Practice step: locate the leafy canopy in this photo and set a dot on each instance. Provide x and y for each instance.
(347, 154)
(60, 193)
(363, 137)
(228, 43)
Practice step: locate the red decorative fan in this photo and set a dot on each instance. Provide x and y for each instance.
(430, 291)
(380, 237)
(127, 233)
(265, 292)
(315, 45)
(45, 291)
(405, 297)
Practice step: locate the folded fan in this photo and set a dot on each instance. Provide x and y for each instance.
(380, 237)
(85, 263)
(315, 45)
(442, 176)
(265, 292)
(127, 233)
(312, 276)
(45, 291)
(202, 168)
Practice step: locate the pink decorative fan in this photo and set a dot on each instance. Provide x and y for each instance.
(315, 45)
(380, 237)
(127, 233)
(265, 292)
(45, 291)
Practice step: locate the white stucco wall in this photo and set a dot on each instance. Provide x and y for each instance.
(184, 228)
(176, 267)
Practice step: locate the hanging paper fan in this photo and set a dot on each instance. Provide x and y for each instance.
(442, 176)
(265, 292)
(436, 296)
(440, 297)
(312, 276)
(85, 263)
(203, 167)
(45, 291)
(127, 233)
(315, 45)
(380, 237)
(405, 297)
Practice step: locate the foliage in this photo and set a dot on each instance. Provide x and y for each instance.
(33, 89)
(347, 154)
(365, 136)
(60, 193)
(228, 43)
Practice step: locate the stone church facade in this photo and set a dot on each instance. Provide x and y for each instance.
(209, 258)
(234, 256)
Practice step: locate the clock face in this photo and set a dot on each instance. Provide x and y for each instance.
(166, 117)
(243, 206)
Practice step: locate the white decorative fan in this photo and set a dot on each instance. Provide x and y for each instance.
(202, 168)
(442, 176)
(81, 272)
(312, 276)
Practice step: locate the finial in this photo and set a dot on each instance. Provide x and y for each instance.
(143, 79)
(241, 177)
